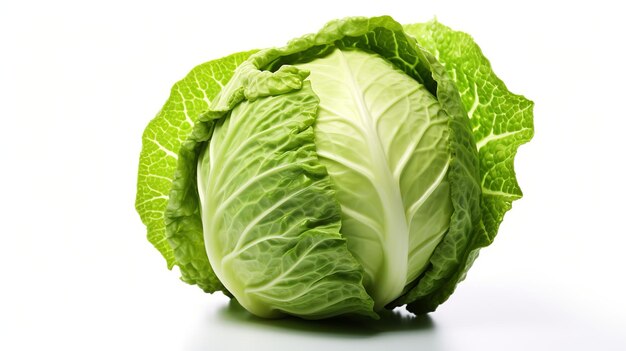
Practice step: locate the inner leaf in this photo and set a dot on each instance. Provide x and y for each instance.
(383, 138)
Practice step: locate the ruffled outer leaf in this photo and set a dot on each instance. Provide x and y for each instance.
(158, 161)
(500, 120)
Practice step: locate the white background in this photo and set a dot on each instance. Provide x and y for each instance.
(79, 81)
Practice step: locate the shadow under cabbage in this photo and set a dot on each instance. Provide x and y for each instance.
(397, 320)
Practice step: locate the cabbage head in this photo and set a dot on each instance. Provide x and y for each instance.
(355, 169)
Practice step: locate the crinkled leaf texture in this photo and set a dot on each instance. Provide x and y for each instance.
(501, 121)
(242, 200)
(270, 217)
(158, 161)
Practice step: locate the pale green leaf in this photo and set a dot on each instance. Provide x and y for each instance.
(271, 221)
(384, 140)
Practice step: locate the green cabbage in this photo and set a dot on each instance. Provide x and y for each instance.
(355, 169)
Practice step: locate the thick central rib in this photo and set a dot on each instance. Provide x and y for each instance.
(350, 145)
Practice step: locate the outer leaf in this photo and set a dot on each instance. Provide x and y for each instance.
(501, 122)
(270, 217)
(162, 139)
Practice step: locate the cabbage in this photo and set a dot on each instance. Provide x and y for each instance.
(356, 169)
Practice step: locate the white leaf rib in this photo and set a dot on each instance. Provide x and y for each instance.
(167, 151)
(243, 146)
(363, 219)
(499, 193)
(262, 215)
(491, 137)
(153, 198)
(157, 176)
(185, 112)
(253, 243)
(257, 178)
(349, 164)
(285, 273)
(336, 116)
(393, 102)
(388, 192)
(319, 284)
(431, 189)
(427, 242)
(406, 155)
(472, 109)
